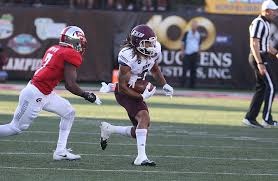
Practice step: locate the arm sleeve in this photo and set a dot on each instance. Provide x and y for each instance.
(73, 58)
(256, 30)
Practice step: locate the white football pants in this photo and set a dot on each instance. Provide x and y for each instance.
(31, 102)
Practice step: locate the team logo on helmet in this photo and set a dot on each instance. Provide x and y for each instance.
(137, 34)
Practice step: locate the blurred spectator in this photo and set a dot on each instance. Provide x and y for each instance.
(115, 4)
(162, 5)
(109, 4)
(37, 3)
(120, 4)
(91, 4)
(77, 3)
(190, 52)
(84, 3)
(131, 5)
(147, 5)
(3, 62)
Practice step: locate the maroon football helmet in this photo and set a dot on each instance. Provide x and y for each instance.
(143, 39)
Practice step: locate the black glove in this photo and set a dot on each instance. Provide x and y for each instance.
(89, 96)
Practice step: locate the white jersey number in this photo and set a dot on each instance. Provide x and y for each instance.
(46, 61)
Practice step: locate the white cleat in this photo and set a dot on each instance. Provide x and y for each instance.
(65, 155)
(144, 162)
(269, 124)
(251, 123)
(105, 132)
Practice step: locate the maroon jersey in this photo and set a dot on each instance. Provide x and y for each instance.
(50, 74)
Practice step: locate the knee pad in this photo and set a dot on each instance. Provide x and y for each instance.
(67, 120)
(70, 115)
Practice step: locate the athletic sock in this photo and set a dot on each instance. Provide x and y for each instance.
(141, 136)
(122, 130)
(62, 140)
(64, 131)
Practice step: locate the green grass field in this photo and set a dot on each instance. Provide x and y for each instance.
(192, 139)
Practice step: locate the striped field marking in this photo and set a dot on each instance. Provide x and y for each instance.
(150, 145)
(153, 156)
(143, 171)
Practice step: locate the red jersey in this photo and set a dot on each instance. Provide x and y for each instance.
(50, 74)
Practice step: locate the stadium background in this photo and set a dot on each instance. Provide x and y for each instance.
(223, 60)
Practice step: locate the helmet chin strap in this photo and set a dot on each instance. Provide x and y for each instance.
(65, 44)
(69, 45)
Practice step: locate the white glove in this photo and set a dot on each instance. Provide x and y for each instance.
(147, 94)
(105, 88)
(168, 90)
(98, 101)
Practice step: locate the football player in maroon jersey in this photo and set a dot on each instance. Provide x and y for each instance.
(139, 56)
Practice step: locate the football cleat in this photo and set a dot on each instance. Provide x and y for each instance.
(105, 132)
(269, 123)
(252, 123)
(103, 143)
(146, 162)
(65, 155)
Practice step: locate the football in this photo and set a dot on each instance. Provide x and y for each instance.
(140, 86)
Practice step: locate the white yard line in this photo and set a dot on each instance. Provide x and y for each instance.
(153, 156)
(150, 145)
(143, 171)
(188, 134)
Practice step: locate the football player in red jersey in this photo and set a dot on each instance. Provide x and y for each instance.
(59, 62)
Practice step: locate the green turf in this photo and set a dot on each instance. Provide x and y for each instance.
(198, 139)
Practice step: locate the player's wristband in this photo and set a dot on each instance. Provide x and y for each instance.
(261, 63)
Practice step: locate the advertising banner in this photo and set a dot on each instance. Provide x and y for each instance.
(26, 33)
(224, 48)
(247, 7)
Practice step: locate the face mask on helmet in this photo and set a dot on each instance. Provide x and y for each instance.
(147, 47)
(74, 37)
(80, 44)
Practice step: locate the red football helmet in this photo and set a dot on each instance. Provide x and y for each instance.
(143, 39)
(74, 37)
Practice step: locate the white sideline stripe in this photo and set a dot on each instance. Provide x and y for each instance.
(176, 134)
(143, 171)
(154, 156)
(150, 145)
(189, 134)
